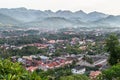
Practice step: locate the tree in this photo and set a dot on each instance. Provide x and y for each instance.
(75, 77)
(112, 73)
(14, 71)
(113, 47)
(29, 50)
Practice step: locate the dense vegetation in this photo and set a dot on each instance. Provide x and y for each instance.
(14, 71)
(112, 73)
(75, 77)
(113, 47)
(25, 51)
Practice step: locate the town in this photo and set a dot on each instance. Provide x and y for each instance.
(78, 51)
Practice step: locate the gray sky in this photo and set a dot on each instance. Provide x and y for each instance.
(106, 6)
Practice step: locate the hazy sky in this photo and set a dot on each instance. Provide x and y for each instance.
(106, 6)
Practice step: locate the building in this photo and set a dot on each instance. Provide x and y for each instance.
(78, 70)
(93, 74)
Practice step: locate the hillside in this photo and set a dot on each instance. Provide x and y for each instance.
(51, 22)
(7, 20)
(23, 17)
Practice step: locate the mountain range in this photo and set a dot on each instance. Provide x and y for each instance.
(23, 17)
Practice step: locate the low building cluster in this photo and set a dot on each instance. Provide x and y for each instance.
(32, 64)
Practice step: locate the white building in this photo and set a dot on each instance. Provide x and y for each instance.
(78, 70)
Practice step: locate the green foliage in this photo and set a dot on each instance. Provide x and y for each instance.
(75, 77)
(88, 59)
(95, 49)
(25, 51)
(2, 41)
(113, 47)
(112, 73)
(29, 50)
(72, 50)
(69, 49)
(21, 40)
(14, 71)
(112, 42)
(54, 74)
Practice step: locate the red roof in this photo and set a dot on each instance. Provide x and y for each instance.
(55, 63)
(31, 68)
(62, 61)
(51, 65)
(94, 73)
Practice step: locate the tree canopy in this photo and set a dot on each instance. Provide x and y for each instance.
(113, 47)
(14, 71)
(75, 77)
(112, 73)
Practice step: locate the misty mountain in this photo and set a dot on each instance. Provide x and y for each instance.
(93, 16)
(110, 20)
(59, 19)
(27, 15)
(23, 14)
(7, 20)
(51, 22)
